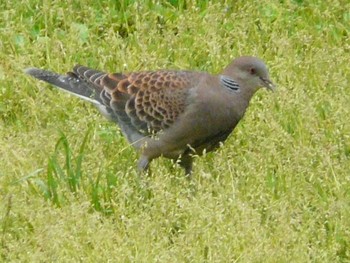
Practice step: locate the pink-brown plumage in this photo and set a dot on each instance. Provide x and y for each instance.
(168, 113)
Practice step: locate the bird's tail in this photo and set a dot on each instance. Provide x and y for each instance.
(87, 84)
(79, 85)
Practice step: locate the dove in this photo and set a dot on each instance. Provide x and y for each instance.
(176, 114)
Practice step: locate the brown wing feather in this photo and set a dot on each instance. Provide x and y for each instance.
(152, 100)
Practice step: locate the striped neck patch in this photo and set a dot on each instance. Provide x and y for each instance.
(229, 83)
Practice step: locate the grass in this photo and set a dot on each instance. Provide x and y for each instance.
(278, 191)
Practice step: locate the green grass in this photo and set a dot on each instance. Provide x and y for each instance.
(278, 191)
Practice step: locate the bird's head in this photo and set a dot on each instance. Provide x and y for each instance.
(251, 71)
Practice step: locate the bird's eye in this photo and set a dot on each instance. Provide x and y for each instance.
(252, 71)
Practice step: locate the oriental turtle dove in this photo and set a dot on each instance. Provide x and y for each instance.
(169, 113)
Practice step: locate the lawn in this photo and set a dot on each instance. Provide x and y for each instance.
(277, 191)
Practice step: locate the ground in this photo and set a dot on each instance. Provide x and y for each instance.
(278, 189)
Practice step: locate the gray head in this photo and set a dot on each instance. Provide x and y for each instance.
(250, 70)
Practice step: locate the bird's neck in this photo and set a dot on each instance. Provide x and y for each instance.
(247, 93)
(243, 97)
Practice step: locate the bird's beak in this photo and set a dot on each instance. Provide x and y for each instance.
(268, 84)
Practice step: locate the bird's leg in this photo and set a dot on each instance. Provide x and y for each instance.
(143, 164)
(186, 162)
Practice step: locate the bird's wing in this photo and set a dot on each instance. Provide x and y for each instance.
(152, 100)
(143, 103)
